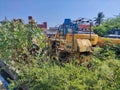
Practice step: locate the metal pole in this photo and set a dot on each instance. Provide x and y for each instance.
(90, 30)
(72, 39)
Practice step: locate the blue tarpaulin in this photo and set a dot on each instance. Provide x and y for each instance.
(5, 83)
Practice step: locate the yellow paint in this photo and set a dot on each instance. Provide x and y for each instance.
(93, 40)
(102, 40)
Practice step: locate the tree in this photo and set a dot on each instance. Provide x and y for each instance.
(99, 18)
(107, 25)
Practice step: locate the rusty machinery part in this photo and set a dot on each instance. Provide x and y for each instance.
(53, 55)
(65, 57)
(53, 45)
(52, 51)
(84, 57)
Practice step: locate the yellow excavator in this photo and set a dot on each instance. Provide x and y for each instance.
(75, 40)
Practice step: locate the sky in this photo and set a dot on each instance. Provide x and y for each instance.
(55, 11)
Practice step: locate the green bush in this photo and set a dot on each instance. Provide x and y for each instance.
(16, 40)
(99, 75)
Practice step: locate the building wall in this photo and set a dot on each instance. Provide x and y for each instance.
(116, 32)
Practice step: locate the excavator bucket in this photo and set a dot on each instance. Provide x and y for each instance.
(84, 45)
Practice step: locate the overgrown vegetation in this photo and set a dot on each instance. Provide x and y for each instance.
(17, 50)
(19, 41)
(108, 51)
(95, 76)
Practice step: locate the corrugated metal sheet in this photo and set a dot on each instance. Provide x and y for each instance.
(51, 32)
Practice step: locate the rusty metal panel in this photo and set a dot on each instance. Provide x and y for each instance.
(84, 45)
